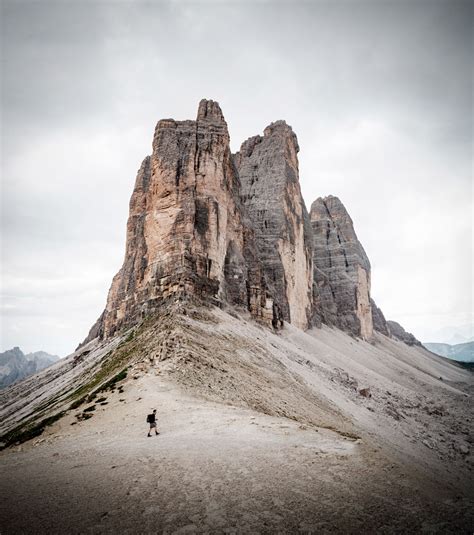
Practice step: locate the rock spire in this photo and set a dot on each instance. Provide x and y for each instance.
(270, 190)
(233, 229)
(341, 270)
(186, 233)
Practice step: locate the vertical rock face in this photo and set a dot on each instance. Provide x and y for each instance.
(223, 229)
(391, 328)
(378, 319)
(341, 270)
(398, 332)
(268, 170)
(186, 232)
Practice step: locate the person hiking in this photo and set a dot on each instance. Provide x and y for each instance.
(151, 419)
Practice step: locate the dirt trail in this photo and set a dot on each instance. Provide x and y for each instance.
(260, 433)
(213, 468)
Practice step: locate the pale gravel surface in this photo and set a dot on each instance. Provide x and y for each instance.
(219, 466)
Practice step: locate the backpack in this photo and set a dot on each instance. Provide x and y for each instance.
(148, 419)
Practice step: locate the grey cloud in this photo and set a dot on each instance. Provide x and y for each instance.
(379, 94)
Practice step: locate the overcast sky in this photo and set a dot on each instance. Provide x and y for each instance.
(379, 94)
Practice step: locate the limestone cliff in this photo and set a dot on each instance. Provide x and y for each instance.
(223, 229)
(378, 319)
(186, 232)
(341, 270)
(268, 170)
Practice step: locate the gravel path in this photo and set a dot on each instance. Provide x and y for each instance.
(213, 469)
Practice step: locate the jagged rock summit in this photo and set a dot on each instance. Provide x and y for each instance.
(227, 229)
(341, 269)
(187, 234)
(270, 191)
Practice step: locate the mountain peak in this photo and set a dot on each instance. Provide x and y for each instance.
(234, 230)
(209, 110)
(281, 128)
(15, 365)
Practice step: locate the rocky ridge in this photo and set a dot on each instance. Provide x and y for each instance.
(397, 331)
(233, 230)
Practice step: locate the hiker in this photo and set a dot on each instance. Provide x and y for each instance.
(151, 419)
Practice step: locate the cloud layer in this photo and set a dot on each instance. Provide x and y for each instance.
(379, 94)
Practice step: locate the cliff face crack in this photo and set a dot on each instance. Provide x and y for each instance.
(346, 263)
(201, 217)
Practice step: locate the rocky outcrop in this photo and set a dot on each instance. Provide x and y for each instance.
(378, 319)
(270, 191)
(223, 229)
(391, 328)
(187, 234)
(341, 270)
(398, 332)
(341, 290)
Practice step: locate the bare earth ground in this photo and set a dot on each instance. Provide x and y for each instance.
(260, 433)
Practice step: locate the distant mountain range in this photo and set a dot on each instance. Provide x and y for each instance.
(452, 335)
(460, 352)
(15, 365)
(458, 339)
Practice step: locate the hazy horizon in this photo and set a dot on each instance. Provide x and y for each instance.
(378, 93)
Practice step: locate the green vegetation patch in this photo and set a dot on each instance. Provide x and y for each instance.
(87, 393)
(129, 338)
(84, 416)
(110, 363)
(108, 385)
(77, 403)
(30, 430)
(466, 365)
(111, 383)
